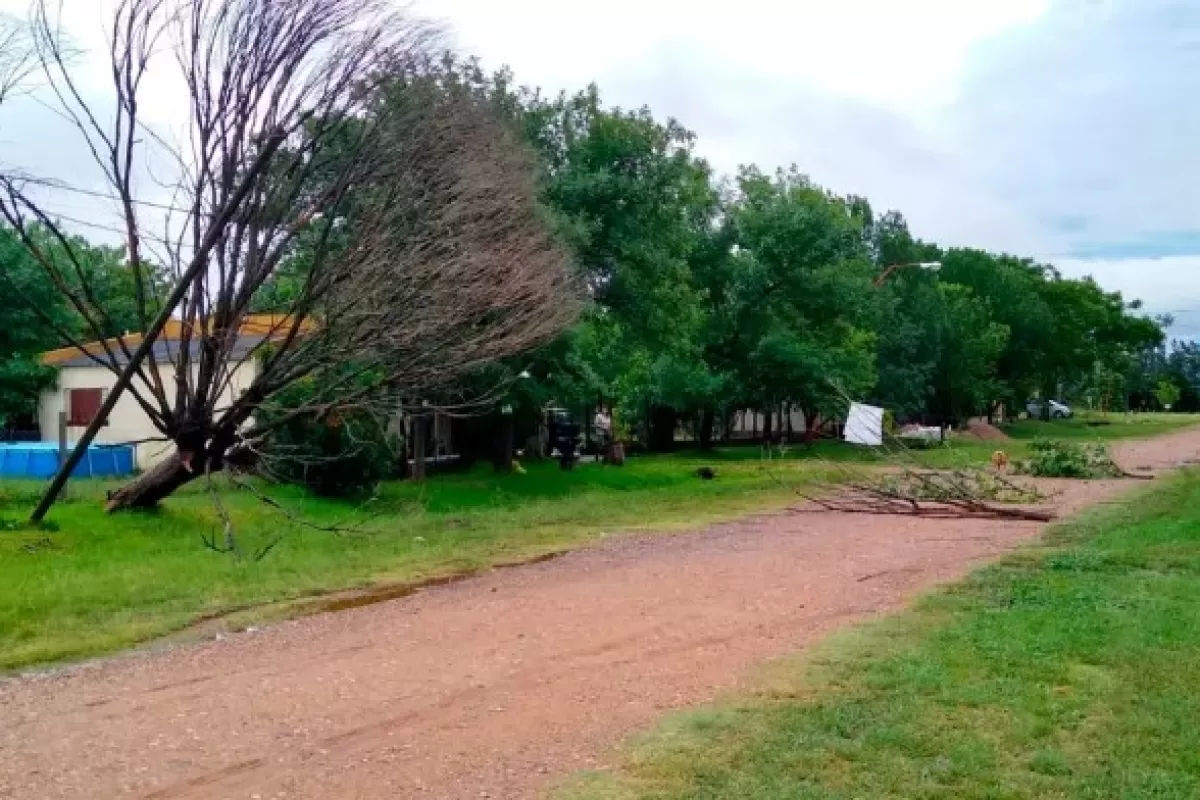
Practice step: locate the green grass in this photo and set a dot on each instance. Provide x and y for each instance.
(1066, 671)
(98, 583)
(95, 583)
(1102, 427)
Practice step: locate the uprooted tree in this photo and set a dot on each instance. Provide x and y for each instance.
(322, 152)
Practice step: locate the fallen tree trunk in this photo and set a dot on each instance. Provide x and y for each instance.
(152, 486)
(940, 511)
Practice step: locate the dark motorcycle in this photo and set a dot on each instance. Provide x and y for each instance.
(564, 435)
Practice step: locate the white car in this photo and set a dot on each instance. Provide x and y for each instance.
(1057, 410)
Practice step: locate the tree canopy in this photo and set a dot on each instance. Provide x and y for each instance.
(36, 315)
(436, 181)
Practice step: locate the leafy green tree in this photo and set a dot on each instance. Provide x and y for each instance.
(1144, 370)
(911, 312)
(805, 299)
(638, 203)
(1105, 387)
(1167, 393)
(967, 344)
(1059, 329)
(1183, 367)
(709, 297)
(1092, 326)
(1012, 290)
(23, 332)
(37, 316)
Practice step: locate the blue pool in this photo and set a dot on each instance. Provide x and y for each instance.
(40, 460)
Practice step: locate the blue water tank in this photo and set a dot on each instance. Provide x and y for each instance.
(40, 460)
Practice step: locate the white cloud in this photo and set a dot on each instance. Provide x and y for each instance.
(852, 92)
(1086, 121)
(1167, 285)
(908, 55)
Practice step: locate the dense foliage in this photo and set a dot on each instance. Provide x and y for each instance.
(764, 291)
(761, 291)
(1157, 377)
(333, 453)
(34, 311)
(1056, 458)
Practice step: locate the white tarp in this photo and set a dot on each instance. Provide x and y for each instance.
(864, 425)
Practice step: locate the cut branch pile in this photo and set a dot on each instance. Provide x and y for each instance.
(900, 484)
(1052, 458)
(928, 493)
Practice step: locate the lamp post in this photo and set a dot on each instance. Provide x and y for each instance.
(932, 266)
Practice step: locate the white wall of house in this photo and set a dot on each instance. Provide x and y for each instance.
(128, 422)
(747, 423)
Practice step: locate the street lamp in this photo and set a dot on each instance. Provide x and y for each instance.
(932, 266)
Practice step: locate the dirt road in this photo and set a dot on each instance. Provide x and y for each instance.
(493, 687)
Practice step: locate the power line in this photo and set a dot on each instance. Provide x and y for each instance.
(66, 187)
(154, 239)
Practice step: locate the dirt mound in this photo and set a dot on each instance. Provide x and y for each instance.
(985, 431)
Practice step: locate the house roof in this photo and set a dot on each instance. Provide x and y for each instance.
(255, 328)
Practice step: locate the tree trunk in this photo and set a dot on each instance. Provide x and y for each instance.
(534, 449)
(705, 437)
(662, 428)
(418, 434)
(586, 421)
(812, 419)
(502, 462)
(766, 435)
(153, 485)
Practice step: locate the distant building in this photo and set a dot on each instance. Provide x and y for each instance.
(83, 383)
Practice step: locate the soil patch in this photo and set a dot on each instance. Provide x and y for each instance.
(985, 431)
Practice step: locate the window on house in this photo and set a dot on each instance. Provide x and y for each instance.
(83, 405)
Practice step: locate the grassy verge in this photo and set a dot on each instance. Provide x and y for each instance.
(1068, 671)
(97, 583)
(1102, 427)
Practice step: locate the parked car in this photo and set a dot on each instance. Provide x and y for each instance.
(1057, 410)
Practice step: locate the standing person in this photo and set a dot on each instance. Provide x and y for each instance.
(602, 425)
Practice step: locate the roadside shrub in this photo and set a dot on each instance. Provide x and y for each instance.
(1054, 458)
(332, 453)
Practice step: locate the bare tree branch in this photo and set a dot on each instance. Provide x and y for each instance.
(17, 59)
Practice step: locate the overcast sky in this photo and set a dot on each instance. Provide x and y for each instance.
(1066, 130)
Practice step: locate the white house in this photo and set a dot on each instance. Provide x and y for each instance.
(83, 385)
